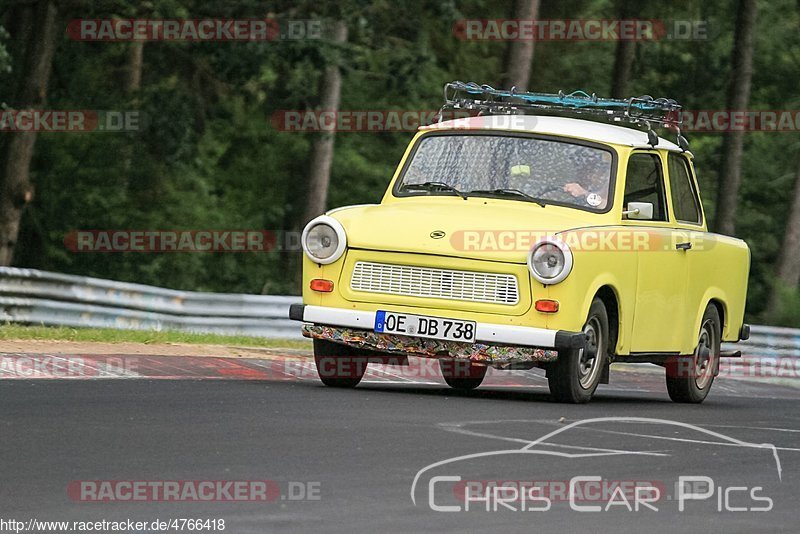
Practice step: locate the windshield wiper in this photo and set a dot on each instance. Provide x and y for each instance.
(431, 186)
(510, 192)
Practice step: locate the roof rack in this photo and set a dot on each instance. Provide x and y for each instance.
(640, 111)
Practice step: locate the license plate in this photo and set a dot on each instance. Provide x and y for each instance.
(424, 326)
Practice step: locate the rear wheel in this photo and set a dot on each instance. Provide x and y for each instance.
(460, 374)
(574, 376)
(338, 365)
(689, 379)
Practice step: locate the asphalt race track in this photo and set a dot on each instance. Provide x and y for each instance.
(383, 456)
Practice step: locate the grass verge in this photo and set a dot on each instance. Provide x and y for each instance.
(14, 332)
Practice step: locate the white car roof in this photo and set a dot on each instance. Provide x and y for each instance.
(577, 128)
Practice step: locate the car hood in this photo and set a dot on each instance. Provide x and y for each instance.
(476, 228)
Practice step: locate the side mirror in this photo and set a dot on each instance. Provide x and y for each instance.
(642, 211)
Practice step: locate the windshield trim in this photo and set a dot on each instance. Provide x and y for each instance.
(526, 135)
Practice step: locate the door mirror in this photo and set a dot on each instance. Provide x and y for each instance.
(642, 211)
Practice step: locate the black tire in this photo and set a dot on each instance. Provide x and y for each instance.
(460, 374)
(339, 366)
(689, 379)
(574, 376)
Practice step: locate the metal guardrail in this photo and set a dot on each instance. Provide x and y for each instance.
(55, 299)
(769, 342)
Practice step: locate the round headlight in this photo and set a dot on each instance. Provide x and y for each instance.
(324, 240)
(550, 261)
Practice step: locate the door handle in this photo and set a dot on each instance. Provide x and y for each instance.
(684, 246)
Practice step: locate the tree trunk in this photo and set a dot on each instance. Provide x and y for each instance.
(133, 84)
(730, 172)
(322, 147)
(520, 53)
(16, 190)
(624, 56)
(787, 273)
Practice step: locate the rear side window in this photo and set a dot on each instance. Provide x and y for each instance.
(685, 203)
(644, 183)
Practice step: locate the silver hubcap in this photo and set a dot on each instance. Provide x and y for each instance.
(704, 356)
(588, 360)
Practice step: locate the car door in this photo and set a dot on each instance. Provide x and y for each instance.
(662, 267)
(687, 212)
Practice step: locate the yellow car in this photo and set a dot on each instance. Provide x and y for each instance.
(528, 240)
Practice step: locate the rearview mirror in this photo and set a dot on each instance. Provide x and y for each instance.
(642, 211)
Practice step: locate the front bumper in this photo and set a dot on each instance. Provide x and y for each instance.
(493, 342)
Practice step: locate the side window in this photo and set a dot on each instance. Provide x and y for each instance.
(644, 183)
(685, 203)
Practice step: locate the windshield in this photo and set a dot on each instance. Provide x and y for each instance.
(522, 168)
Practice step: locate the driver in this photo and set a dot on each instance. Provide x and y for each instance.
(544, 185)
(591, 188)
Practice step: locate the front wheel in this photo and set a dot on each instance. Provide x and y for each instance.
(574, 376)
(460, 374)
(338, 365)
(689, 379)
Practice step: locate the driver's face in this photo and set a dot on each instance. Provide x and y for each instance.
(597, 176)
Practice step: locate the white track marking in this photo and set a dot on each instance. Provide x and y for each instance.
(683, 440)
(458, 429)
(757, 428)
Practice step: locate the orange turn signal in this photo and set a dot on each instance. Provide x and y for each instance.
(546, 306)
(321, 285)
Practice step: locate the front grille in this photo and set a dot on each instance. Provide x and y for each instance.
(435, 283)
